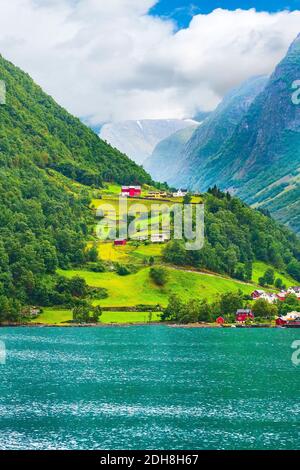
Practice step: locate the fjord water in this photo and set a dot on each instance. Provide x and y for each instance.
(149, 387)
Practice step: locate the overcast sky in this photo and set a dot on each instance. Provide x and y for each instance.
(109, 60)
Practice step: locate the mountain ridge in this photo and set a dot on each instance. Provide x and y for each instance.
(210, 135)
(138, 138)
(49, 165)
(261, 160)
(162, 164)
(74, 142)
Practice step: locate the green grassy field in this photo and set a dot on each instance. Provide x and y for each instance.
(259, 268)
(146, 251)
(113, 200)
(146, 222)
(138, 288)
(135, 289)
(128, 253)
(109, 252)
(110, 188)
(52, 316)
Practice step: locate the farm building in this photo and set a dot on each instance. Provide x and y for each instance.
(180, 193)
(31, 312)
(294, 290)
(159, 237)
(131, 191)
(269, 297)
(261, 294)
(120, 242)
(291, 320)
(243, 315)
(257, 294)
(281, 296)
(272, 297)
(291, 316)
(140, 238)
(280, 321)
(158, 194)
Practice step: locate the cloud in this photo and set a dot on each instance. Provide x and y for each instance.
(111, 60)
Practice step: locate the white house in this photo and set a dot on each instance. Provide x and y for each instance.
(271, 298)
(260, 294)
(294, 290)
(291, 316)
(159, 237)
(180, 193)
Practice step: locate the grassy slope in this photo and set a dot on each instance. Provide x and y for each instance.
(138, 289)
(259, 268)
(54, 316)
(129, 253)
(135, 289)
(144, 225)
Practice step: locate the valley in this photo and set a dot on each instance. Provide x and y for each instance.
(126, 294)
(54, 180)
(149, 230)
(249, 145)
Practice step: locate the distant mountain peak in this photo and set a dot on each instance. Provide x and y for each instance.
(137, 139)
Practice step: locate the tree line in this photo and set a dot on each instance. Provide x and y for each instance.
(235, 236)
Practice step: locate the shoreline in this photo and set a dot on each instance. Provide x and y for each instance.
(127, 324)
(76, 325)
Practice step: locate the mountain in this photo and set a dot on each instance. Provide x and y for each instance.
(201, 115)
(49, 163)
(137, 139)
(235, 236)
(34, 127)
(51, 167)
(163, 162)
(210, 136)
(260, 160)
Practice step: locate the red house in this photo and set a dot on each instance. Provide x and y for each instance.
(257, 294)
(281, 296)
(131, 191)
(280, 322)
(220, 321)
(244, 315)
(120, 242)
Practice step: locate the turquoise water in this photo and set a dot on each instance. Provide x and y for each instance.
(149, 387)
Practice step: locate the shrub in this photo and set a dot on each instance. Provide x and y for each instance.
(159, 276)
(87, 313)
(122, 270)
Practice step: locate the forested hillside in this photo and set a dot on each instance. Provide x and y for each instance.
(235, 236)
(50, 163)
(44, 216)
(35, 129)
